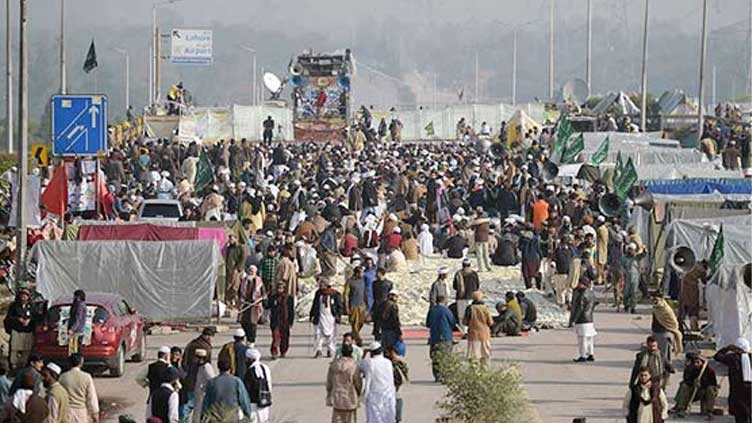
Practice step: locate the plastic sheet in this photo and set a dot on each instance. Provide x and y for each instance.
(162, 280)
(729, 306)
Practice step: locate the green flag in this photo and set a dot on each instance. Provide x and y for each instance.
(429, 129)
(600, 154)
(619, 165)
(204, 172)
(563, 132)
(714, 262)
(574, 147)
(91, 59)
(625, 179)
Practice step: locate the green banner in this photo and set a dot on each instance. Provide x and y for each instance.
(716, 257)
(563, 132)
(625, 179)
(204, 172)
(574, 147)
(601, 154)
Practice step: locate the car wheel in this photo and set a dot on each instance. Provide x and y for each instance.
(118, 367)
(141, 354)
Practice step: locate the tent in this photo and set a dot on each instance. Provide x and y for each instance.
(729, 302)
(162, 280)
(617, 103)
(518, 125)
(676, 103)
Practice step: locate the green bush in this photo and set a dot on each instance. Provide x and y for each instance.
(7, 161)
(482, 394)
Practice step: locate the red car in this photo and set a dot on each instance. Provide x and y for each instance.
(117, 333)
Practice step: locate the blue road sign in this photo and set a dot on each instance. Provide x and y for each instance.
(79, 125)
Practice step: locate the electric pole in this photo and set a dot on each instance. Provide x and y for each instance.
(703, 45)
(644, 76)
(588, 62)
(477, 77)
(514, 68)
(8, 78)
(23, 131)
(63, 81)
(551, 51)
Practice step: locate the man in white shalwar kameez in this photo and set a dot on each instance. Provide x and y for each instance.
(379, 391)
(326, 310)
(425, 243)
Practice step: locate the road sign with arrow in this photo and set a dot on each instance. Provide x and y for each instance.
(79, 125)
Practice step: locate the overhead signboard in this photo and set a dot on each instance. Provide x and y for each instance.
(191, 46)
(79, 125)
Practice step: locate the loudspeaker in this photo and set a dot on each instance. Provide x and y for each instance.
(682, 259)
(550, 170)
(644, 200)
(609, 204)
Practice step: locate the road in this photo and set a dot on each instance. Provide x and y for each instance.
(559, 389)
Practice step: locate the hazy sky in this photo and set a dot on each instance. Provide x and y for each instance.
(399, 37)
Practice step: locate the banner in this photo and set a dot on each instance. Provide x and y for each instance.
(600, 154)
(575, 146)
(563, 132)
(191, 46)
(625, 180)
(716, 257)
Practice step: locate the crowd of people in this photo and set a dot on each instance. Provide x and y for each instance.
(350, 215)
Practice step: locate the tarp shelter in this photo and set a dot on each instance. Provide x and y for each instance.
(729, 302)
(519, 124)
(617, 103)
(161, 126)
(162, 280)
(700, 186)
(676, 103)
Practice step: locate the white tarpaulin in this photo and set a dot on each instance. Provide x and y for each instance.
(162, 280)
(33, 192)
(729, 303)
(247, 122)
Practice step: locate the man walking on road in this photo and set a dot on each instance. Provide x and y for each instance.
(380, 392)
(58, 402)
(478, 320)
(344, 386)
(226, 392)
(355, 305)
(281, 319)
(583, 304)
(84, 403)
(466, 282)
(325, 313)
(441, 323)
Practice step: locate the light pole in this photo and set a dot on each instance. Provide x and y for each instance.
(551, 51)
(253, 71)
(63, 79)
(155, 47)
(514, 67)
(703, 47)
(23, 132)
(8, 78)
(588, 59)
(644, 76)
(127, 76)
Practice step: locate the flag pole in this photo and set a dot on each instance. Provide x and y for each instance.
(97, 182)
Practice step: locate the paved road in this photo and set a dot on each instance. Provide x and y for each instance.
(558, 388)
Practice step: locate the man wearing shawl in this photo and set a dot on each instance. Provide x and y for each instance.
(737, 358)
(326, 310)
(665, 327)
(258, 383)
(252, 294)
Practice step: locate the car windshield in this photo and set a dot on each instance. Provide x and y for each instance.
(161, 210)
(59, 314)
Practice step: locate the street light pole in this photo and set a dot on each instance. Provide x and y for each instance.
(644, 77)
(551, 50)
(154, 41)
(253, 92)
(23, 130)
(63, 79)
(588, 60)
(514, 68)
(703, 47)
(8, 78)
(127, 76)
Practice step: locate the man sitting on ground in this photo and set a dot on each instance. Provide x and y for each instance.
(507, 322)
(699, 384)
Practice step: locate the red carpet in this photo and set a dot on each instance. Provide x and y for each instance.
(422, 333)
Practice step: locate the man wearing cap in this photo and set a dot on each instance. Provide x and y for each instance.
(325, 313)
(355, 302)
(482, 229)
(581, 316)
(234, 352)
(58, 401)
(151, 376)
(344, 386)
(165, 401)
(466, 282)
(381, 288)
(84, 403)
(699, 384)
(440, 287)
(602, 235)
(379, 388)
(235, 256)
(34, 368)
(205, 373)
(26, 405)
(630, 264)
(191, 363)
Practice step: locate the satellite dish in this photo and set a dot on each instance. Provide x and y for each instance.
(272, 82)
(575, 90)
